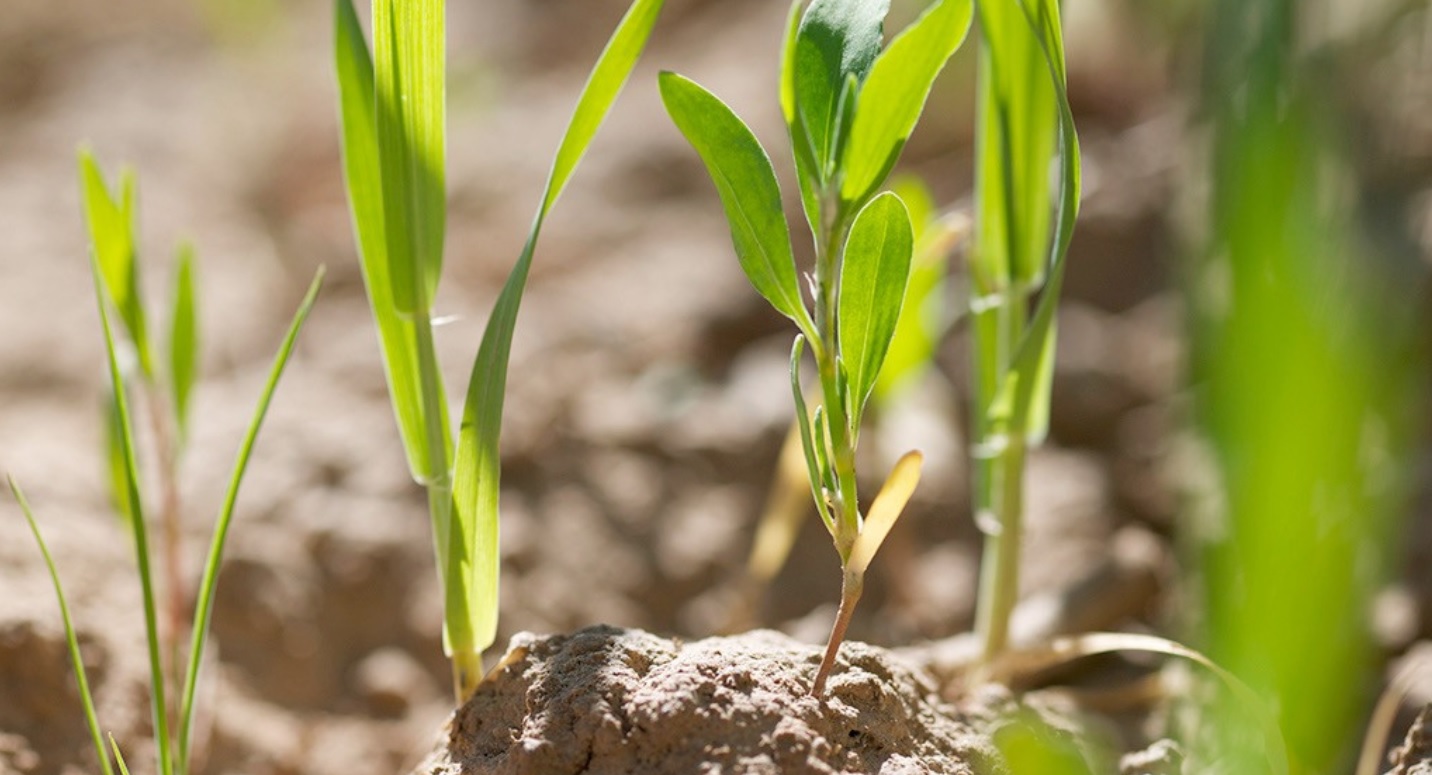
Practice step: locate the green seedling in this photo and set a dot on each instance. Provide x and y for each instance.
(163, 383)
(116, 289)
(1024, 117)
(850, 103)
(393, 115)
(925, 317)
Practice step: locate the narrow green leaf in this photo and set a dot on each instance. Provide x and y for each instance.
(1036, 352)
(158, 705)
(409, 60)
(804, 154)
(71, 638)
(803, 421)
(470, 569)
(924, 316)
(363, 174)
(837, 39)
(873, 276)
(113, 240)
(183, 340)
(118, 757)
(204, 606)
(116, 473)
(749, 192)
(894, 94)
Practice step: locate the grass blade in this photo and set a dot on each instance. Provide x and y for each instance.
(746, 182)
(471, 565)
(363, 174)
(71, 638)
(204, 606)
(409, 60)
(139, 531)
(118, 757)
(183, 340)
(111, 229)
(873, 277)
(895, 92)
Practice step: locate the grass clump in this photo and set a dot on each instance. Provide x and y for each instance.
(850, 103)
(114, 264)
(393, 109)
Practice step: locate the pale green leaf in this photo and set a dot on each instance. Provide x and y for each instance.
(749, 192)
(895, 92)
(409, 61)
(873, 276)
(803, 421)
(112, 238)
(472, 563)
(363, 175)
(183, 340)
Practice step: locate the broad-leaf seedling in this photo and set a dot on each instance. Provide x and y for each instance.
(850, 104)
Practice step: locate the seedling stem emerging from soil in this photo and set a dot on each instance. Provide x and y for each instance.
(850, 103)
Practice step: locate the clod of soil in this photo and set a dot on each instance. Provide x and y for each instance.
(607, 700)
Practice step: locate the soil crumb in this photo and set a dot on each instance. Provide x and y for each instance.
(607, 700)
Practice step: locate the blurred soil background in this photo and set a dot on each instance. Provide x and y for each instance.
(648, 390)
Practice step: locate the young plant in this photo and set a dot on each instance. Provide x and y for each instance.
(850, 103)
(116, 292)
(393, 114)
(163, 383)
(1023, 117)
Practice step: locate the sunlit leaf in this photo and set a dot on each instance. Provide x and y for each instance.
(887, 507)
(873, 277)
(895, 92)
(474, 565)
(747, 184)
(112, 237)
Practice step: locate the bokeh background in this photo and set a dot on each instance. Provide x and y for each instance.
(648, 390)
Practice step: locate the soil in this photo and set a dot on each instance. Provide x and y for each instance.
(648, 401)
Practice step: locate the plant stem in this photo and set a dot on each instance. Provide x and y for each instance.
(169, 521)
(851, 587)
(999, 566)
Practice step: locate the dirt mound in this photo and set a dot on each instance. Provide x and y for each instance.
(607, 700)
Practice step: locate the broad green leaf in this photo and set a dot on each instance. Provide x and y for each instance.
(837, 39)
(364, 177)
(138, 528)
(472, 563)
(183, 340)
(749, 192)
(409, 60)
(924, 316)
(803, 420)
(873, 276)
(113, 239)
(889, 503)
(895, 92)
(71, 637)
(204, 606)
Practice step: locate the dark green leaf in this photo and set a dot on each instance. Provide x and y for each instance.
(749, 192)
(837, 39)
(873, 277)
(895, 92)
